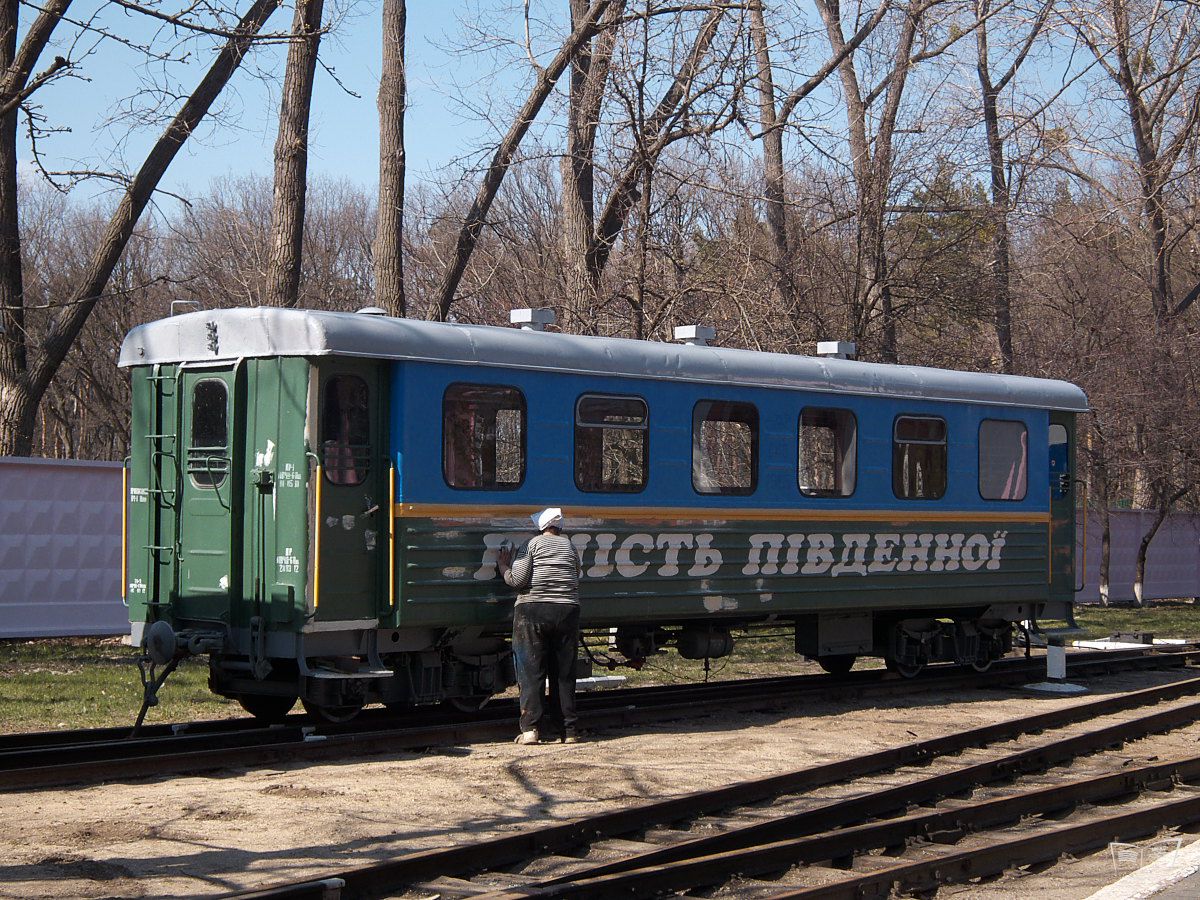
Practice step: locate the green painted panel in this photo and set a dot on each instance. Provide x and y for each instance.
(644, 571)
(275, 534)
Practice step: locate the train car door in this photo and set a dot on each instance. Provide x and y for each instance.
(353, 506)
(1062, 506)
(210, 494)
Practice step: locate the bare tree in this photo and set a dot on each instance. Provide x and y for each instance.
(1151, 51)
(23, 381)
(678, 115)
(476, 217)
(873, 125)
(991, 88)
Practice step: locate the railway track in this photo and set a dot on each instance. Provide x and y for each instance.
(55, 758)
(960, 807)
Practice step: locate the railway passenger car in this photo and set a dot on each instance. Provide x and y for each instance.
(316, 501)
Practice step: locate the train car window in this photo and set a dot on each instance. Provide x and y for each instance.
(611, 444)
(208, 453)
(828, 452)
(346, 430)
(919, 458)
(724, 447)
(483, 437)
(1003, 460)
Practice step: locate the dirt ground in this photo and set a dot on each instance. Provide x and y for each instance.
(203, 835)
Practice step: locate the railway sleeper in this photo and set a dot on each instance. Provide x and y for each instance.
(746, 843)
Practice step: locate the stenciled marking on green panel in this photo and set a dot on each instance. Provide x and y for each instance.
(713, 566)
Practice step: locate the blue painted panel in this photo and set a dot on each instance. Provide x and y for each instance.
(416, 418)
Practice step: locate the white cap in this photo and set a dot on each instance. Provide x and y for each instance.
(547, 517)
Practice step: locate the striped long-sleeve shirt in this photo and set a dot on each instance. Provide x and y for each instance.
(545, 570)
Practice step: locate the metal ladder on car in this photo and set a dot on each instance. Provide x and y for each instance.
(163, 450)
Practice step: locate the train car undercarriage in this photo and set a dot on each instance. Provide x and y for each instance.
(467, 667)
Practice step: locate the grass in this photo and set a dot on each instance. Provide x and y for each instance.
(63, 683)
(66, 683)
(1161, 618)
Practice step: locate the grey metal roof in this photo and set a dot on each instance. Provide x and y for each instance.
(268, 331)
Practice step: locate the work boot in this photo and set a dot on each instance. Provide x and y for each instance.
(527, 737)
(570, 737)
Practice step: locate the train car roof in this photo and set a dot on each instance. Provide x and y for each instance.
(230, 334)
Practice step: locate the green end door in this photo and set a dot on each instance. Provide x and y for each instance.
(354, 506)
(210, 493)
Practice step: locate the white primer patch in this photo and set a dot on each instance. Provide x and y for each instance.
(716, 603)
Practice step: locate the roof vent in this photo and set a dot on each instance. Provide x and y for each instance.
(371, 311)
(532, 319)
(837, 349)
(696, 335)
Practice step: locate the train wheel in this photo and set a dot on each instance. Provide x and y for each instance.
(905, 670)
(838, 663)
(982, 665)
(268, 707)
(334, 715)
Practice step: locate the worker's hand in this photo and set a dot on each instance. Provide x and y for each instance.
(504, 558)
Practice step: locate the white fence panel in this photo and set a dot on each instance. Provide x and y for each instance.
(60, 548)
(1172, 563)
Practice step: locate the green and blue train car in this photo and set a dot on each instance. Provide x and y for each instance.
(316, 501)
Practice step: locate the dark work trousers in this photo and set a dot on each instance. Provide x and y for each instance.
(544, 639)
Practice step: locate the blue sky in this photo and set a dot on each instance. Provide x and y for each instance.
(344, 128)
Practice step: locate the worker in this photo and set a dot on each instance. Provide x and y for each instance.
(545, 571)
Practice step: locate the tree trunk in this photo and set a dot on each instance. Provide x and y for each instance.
(22, 399)
(18, 405)
(1104, 577)
(16, 422)
(468, 234)
(1106, 558)
(1001, 255)
(589, 76)
(1001, 189)
(1152, 171)
(774, 184)
(872, 311)
(291, 157)
(1164, 509)
(389, 236)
